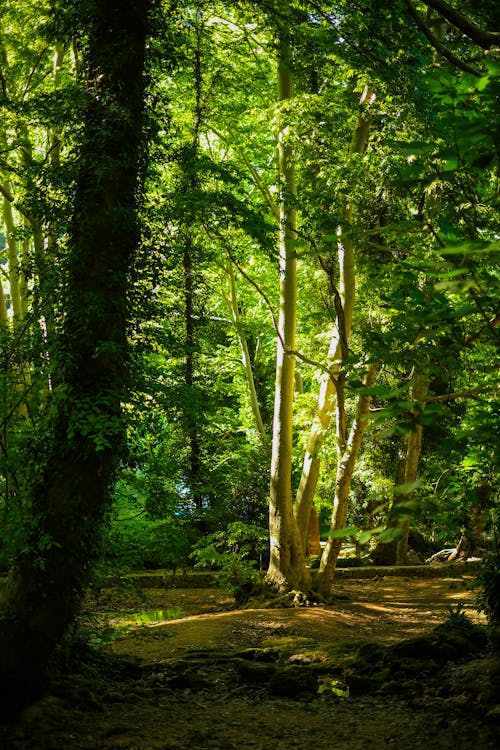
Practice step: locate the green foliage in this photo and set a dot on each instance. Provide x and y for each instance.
(332, 686)
(140, 543)
(423, 212)
(236, 554)
(488, 578)
(146, 528)
(455, 615)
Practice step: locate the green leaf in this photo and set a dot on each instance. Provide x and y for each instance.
(416, 148)
(346, 531)
(390, 535)
(470, 247)
(408, 488)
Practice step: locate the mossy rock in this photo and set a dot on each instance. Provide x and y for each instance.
(450, 641)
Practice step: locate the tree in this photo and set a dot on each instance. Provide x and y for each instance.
(339, 342)
(286, 565)
(68, 491)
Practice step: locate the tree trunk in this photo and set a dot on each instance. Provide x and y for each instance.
(327, 394)
(245, 356)
(385, 552)
(190, 183)
(471, 542)
(13, 262)
(418, 392)
(191, 408)
(348, 452)
(313, 534)
(69, 490)
(287, 560)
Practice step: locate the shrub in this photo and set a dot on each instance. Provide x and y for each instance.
(235, 553)
(488, 599)
(141, 543)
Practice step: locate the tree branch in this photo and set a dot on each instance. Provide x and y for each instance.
(32, 73)
(287, 350)
(434, 41)
(4, 190)
(258, 181)
(469, 393)
(3, 84)
(484, 39)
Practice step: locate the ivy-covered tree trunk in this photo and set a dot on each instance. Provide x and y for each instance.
(73, 464)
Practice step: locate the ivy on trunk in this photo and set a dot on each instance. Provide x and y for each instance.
(68, 493)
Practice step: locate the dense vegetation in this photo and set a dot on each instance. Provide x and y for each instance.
(259, 241)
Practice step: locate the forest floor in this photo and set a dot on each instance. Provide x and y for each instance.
(375, 669)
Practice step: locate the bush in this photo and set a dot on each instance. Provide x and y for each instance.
(140, 543)
(235, 553)
(488, 599)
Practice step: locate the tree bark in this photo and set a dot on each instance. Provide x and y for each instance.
(287, 560)
(245, 356)
(418, 392)
(327, 394)
(69, 491)
(348, 452)
(191, 408)
(13, 261)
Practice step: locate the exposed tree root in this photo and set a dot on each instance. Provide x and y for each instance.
(267, 598)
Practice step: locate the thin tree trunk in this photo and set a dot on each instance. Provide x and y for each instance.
(69, 491)
(13, 263)
(327, 394)
(348, 452)
(20, 373)
(418, 392)
(245, 355)
(190, 183)
(191, 408)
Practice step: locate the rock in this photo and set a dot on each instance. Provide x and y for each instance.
(413, 558)
(372, 652)
(448, 641)
(306, 658)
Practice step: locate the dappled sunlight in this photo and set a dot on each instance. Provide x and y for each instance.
(384, 610)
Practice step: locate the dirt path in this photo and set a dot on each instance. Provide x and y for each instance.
(222, 679)
(384, 610)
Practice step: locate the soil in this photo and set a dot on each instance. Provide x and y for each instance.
(392, 662)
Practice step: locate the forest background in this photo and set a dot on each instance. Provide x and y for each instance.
(259, 241)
